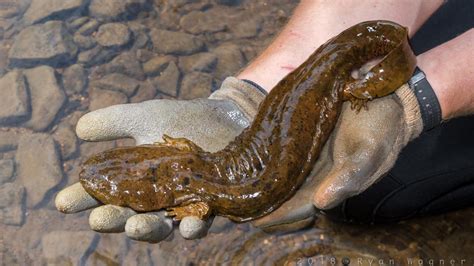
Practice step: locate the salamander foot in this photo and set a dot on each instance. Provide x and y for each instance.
(198, 209)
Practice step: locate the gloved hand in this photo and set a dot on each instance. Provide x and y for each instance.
(362, 148)
(210, 123)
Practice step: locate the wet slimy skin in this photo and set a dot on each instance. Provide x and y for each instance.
(268, 161)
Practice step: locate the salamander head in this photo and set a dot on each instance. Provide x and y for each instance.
(129, 176)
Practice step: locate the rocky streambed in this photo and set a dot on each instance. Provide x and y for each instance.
(62, 58)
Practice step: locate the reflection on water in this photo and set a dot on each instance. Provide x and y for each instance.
(61, 59)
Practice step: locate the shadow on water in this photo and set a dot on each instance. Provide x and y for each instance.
(53, 62)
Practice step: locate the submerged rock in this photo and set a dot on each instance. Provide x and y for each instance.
(75, 24)
(74, 79)
(167, 82)
(197, 22)
(7, 167)
(113, 10)
(145, 92)
(47, 97)
(66, 137)
(96, 56)
(102, 98)
(84, 42)
(74, 245)
(45, 44)
(89, 27)
(12, 8)
(204, 62)
(247, 28)
(11, 204)
(8, 140)
(174, 42)
(39, 166)
(196, 85)
(229, 60)
(40, 10)
(126, 63)
(156, 65)
(14, 100)
(118, 82)
(113, 35)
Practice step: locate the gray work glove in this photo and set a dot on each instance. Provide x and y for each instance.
(362, 148)
(210, 123)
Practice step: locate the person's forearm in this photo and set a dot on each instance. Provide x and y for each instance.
(449, 70)
(316, 21)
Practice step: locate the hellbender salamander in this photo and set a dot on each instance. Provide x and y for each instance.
(268, 161)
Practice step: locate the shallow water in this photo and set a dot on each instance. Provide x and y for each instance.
(40, 153)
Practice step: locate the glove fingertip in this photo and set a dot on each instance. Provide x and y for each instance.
(191, 227)
(109, 123)
(74, 199)
(325, 199)
(109, 218)
(149, 227)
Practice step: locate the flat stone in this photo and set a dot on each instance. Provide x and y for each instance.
(126, 63)
(47, 97)
(102, 98)
(113, 35)
(74, 79)
(7, 167)
(113, 10)
(12, 211)
(84, 42)
(70, 244)
(38, 166)
(145, 92)
(8, 140)
(77, 23)
(143, 55)
(197, 22)
(14, 100)
(67, 140)
(138, 255)
(12, 8)
(196, 85)
(203, 62)
(167, 82)
(247, 28)
(44, 44)
(89, 27)
(111, 248)
(139, 32)
(157, 64)
(173, 42)
(229, 60)
(41, 10)
(96, 56)
(118, 82)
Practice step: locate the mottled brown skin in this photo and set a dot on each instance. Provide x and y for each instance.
(268, 161)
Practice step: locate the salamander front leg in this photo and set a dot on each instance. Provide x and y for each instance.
(198, 209)
(183, 144)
